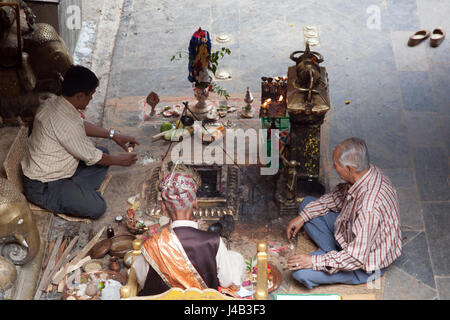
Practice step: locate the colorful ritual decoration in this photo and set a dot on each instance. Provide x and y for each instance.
(199, 52)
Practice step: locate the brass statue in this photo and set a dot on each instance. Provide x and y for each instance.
(291, 185)
(308, 103)
(33, 60)
(311, 80)
(19, 236)
(8, 276)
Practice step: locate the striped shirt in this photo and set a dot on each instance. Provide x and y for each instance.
(58, 142)
(367, 227)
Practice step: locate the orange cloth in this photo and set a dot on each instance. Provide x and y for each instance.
(167, 257)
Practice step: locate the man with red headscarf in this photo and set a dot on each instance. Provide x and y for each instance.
(182, 256)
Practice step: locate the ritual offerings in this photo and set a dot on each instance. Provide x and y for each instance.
(247, 111)
(250, 279)
(95, 285)
(201, 63)
(199, 52)
(273, 97)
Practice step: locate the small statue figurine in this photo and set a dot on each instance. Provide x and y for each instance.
(247, 111)
(291, 185)
(199, 53)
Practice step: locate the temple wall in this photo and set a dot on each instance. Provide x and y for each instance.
(64, 15)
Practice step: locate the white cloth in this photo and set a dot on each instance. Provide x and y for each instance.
(230, 264)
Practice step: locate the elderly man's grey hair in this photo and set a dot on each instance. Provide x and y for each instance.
(354, 153)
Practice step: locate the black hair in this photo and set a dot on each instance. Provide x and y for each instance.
(79, 79)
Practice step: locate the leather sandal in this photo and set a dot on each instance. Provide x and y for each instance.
(437, 36)
(418, 37)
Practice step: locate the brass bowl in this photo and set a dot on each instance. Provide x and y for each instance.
(93, 266)
(100, 249)
(120, 245)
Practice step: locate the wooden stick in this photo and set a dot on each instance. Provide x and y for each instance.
(63, 271)
(159, 135)
(64, 258)
(80, 263)
(88, 247)
(61, 284)
(44, 278)
(67, 278)
(49, 252)
(60, 252)
(105, 183)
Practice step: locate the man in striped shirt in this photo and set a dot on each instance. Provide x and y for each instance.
(63, 169)
(356, 226)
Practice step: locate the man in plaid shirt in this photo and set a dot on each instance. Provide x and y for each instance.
(356, 226)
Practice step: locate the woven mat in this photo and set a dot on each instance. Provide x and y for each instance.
(347, 292)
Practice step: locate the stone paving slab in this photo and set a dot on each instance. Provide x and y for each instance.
(436, 217)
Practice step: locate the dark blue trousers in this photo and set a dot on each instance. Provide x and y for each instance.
(76, 196)
(321, 231)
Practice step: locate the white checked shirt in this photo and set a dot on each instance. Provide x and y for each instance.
(58, 142)
(367, 227)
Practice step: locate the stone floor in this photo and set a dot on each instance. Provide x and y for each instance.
(398, 95)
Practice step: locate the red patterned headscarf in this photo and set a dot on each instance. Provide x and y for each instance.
(178, 191)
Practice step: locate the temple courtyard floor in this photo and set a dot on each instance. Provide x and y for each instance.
(393, 96)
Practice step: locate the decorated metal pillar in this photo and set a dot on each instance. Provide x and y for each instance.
(308, 102)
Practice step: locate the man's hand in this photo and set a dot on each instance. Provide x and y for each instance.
(300, 261)
(124, 159)
(127, 159)
(294, 226)
(123, 140)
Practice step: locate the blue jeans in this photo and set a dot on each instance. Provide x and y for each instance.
(321, 231)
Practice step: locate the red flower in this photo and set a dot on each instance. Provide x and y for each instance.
(200, 33)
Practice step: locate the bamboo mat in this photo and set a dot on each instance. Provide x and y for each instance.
(347, 292)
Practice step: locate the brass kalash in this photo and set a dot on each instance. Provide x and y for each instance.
(308, 101)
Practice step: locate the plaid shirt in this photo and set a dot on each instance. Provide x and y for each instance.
(58, 142)
(367, 227)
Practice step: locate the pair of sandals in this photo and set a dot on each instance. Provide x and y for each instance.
(437, 36)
